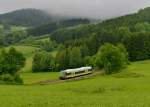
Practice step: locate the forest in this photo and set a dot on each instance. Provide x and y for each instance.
(131, 30)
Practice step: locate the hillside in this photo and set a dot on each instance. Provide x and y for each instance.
(133, 31)
(106, 91)
(36, 17)
(129, 21)
(26, 17)
(53, 26)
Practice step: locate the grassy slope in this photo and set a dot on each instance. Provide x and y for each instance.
(30, 78)
(102, 91)
(17, 28)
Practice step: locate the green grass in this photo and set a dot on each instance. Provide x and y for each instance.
(17, 28)
(1, 26)
(43, 39)
(26, 50)
(30, 78)
(28, 65)
(103, 91)
(35, 40)
(54, 53)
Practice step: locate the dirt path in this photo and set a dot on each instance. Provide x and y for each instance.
(94, 74)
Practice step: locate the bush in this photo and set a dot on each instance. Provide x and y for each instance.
(11, 79)
(18, 79)
(111, 58)
(7, 78)
(10, 63)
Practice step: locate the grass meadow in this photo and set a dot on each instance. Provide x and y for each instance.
(129, 88)
(126, 89)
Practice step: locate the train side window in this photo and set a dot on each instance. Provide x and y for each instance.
(90, 70)
(79, 72)
(68, 74)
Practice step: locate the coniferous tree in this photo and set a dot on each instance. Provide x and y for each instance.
(75, 58)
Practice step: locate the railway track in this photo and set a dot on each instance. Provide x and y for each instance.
(94, 74)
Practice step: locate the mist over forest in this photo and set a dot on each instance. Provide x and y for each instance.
(95, 9)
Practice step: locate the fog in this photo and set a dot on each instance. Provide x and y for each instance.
(99, 9)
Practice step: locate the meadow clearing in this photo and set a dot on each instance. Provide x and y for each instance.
(126, 89)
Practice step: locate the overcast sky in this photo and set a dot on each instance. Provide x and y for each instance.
(85, 8)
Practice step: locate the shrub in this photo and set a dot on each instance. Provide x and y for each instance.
(10, 63)
(111, 58)
(7, 78)
(18, 79)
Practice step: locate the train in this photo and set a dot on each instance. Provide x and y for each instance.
(72, 73)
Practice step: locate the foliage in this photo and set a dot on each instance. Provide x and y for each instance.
(112, 58)
(142, 27)
(124, 51)
(128, 21)
(48, 45)
(62, 59)
(42, 62)
(12, 37)
(69, 58)
(11, 79)
(138, 46)
(26, 17)
(130, 30)
(10, 63)
(75, 58)
(53, 26)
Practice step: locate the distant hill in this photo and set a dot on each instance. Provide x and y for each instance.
(110, 25)
(26, 17)
(53, 26)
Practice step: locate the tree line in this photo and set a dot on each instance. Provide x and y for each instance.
(110, 57)
(136, 42)
(133, 31)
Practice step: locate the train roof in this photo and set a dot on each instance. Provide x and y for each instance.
(77, 69)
